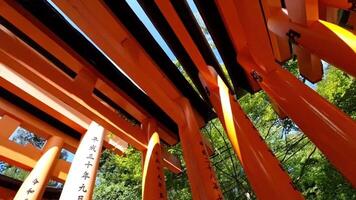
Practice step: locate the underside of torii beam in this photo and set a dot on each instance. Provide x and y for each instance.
(87, 75)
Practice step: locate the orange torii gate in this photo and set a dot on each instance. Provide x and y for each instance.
(87, 75)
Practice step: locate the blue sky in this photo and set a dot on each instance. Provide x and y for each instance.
(150, 27)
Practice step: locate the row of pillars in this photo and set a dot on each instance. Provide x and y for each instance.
(80, 180)
(264, 172)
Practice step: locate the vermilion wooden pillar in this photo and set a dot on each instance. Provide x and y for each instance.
(263, 170)
(36, 182)
(201, 175)
(330, 42)
(305, 13)
(82, 174)
(330, 129)
(153, 180)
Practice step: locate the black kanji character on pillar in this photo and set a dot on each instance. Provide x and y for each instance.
(90, 156)
(95, 139)
(82, 188)
(85, 175)
(81, 197)
(92, 148)
(29, 191)
(35, 181)
(88, 164)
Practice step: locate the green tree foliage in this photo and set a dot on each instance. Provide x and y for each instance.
(340, 89)
(119, 177)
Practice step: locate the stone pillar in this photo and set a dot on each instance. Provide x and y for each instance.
(35, 184)
(81, 177)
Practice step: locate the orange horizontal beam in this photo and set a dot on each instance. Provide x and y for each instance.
(321, 38)
(112, 142)
(184, 37)
(35, 125)
(171, 162)
(32, 123)
(16, 54)
(27, 156)
(19, 17)
(178, 27)
(249, 19)
(24, 60)
(26, 90)
(93, 18)
(343, 4)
